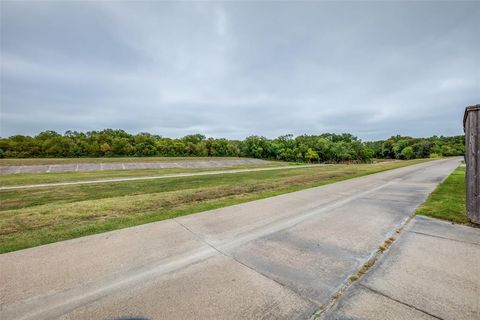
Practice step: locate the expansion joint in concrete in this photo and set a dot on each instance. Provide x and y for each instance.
(223, 253)
(373, 259)
(399, 301)
(445, 238)
(200, 238)
(279, 283)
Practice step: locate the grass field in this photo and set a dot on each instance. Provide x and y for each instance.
(48, 161)
(37, 178)
(447, 201)
(31, 217)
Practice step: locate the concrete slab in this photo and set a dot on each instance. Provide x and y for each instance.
(8, 170)
(362, 303)
(445, 229)
(28, 273)
(310, 268)
(112, 166)
(365, 224)
(433, 269)
(60, 168)
(287, 253)
(89, 167)
(29, 169)
(321, 245)
(218, 288)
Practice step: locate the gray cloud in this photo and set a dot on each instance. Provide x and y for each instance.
(228, 69)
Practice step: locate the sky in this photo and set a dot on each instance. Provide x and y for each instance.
(234, 69)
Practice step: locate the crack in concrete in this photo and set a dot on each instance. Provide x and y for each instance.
(440, 237)
(245, 265)
(398, 301)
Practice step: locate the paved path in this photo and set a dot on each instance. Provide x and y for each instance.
(73, 167)
(431, 272)
(164, 176)
(275, 258)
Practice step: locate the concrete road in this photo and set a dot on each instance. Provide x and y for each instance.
(75, 167)
(276, 258)
(431, 272)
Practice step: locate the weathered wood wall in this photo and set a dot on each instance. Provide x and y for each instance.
(471, 124)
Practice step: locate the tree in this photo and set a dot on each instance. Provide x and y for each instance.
(422, 149)
(407, 153)
(194, 138)
(311, 156)
(121, 146)
(306, 148)
(105, 148)
(399, 146)
(255, 147)
(387, 149)
(341, 151)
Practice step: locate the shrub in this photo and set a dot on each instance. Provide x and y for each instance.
(407, 153)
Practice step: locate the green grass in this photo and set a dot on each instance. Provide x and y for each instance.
(48, 161)
(447, 201)
(31, 217)
(38, 178)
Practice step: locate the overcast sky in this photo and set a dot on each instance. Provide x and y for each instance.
(374, 69)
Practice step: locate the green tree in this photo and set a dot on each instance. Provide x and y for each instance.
(121, 146)
(327, 146)
(407, 153)
(311, 156)
(105, 149)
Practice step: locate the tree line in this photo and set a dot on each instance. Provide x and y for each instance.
(326, 147)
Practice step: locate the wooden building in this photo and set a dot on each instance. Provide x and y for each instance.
(471, 125)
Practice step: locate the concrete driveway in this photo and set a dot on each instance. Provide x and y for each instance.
(431, 272)
(276, 258)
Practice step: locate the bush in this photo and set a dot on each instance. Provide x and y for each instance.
(407, 153)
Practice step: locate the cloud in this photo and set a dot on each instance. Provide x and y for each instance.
(235, 69)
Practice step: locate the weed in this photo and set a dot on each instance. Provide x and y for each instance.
(353, 278)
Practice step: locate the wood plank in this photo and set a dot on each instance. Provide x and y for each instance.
(472, 160)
